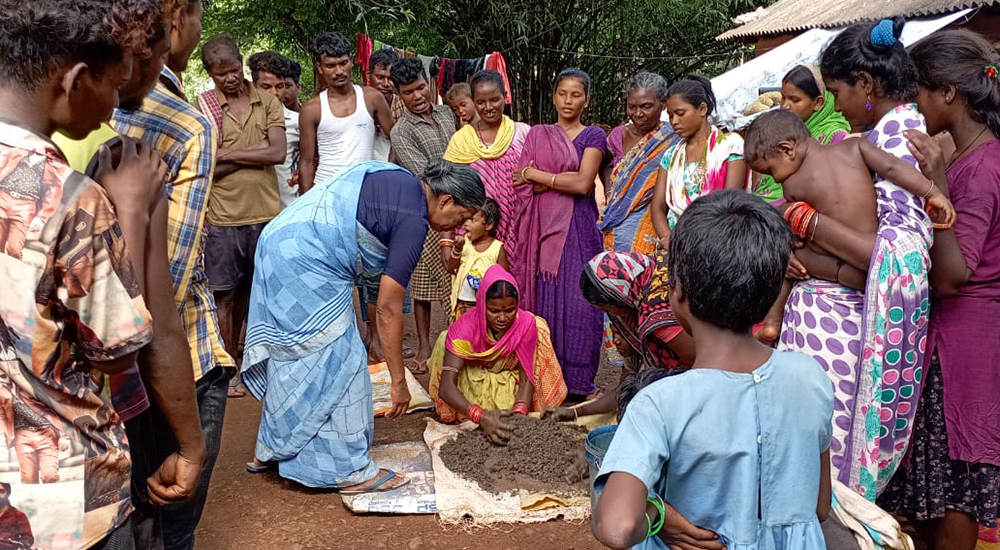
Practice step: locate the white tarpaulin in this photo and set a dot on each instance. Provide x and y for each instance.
(460, 501)
(738, 88)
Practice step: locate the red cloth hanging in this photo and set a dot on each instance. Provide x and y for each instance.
(496, 62)
(365, 47)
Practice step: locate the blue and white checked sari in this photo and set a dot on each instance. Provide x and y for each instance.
(303, 349)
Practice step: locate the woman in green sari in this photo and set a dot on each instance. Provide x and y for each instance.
(803, 93)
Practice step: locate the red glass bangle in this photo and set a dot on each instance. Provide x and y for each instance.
(520, 407)
(475, 413)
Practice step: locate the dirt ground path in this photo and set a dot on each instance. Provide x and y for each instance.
(265, 512)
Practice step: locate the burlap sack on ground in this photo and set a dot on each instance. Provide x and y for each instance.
(459, 499)
(420, 400)
(417, 497)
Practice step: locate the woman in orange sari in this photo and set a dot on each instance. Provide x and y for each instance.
(494, 360)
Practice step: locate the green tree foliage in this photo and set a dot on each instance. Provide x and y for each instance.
(610, 39)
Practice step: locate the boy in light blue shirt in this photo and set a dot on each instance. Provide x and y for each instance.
(739, 445)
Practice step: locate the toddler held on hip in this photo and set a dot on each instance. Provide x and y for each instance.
(829, 185)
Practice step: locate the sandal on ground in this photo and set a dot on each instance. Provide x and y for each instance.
(236, 389)
(418, 366)
(255, 468)
(379, 485)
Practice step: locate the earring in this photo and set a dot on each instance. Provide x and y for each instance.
(868, 104)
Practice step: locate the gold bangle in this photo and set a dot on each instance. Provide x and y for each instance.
(524, 172)
(552, 182)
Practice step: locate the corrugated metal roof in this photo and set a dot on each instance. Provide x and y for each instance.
(792, 16)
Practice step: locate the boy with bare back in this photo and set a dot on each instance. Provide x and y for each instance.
(833, 180)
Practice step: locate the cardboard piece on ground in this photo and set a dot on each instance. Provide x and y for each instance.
(420, 400)
(458, 497)
(417, 497)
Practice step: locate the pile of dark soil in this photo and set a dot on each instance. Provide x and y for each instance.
(539, 450)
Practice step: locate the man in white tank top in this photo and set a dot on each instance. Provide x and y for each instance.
(337, 127)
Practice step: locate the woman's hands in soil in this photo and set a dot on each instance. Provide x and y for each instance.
(680, 534)
(579, 470)
(497, 426)
(559, 414)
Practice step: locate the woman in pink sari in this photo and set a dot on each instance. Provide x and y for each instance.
(556, 226)
(492, 146)
(495, 358)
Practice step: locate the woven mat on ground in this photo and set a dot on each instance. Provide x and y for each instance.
(459, 499)
(420, 400)
(417, 497)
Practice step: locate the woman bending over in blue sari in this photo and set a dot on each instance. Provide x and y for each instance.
(303, 348)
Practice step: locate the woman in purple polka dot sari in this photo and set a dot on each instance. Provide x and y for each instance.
(871, 341)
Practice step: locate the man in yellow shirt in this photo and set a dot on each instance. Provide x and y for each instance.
(244, 195)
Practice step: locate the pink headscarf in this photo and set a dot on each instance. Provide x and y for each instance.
(469, 337)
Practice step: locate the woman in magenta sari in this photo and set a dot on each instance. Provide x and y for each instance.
(556, 225)
(492, 146)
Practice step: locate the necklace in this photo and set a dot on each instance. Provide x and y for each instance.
(479, 133)
(965, 149)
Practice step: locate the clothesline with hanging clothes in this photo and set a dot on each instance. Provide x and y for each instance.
(447, 71)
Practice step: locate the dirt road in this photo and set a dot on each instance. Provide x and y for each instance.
(265, 512)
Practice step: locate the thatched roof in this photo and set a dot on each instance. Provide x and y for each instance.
(793, 16)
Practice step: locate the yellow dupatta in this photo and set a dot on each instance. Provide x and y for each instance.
(465, 147)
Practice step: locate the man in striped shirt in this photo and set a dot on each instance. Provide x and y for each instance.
(185, 141)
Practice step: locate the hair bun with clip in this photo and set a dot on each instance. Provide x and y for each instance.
(991, 72)
(882, 34)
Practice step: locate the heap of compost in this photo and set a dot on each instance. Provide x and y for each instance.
(540, 450)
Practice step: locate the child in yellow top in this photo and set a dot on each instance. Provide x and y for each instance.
(470, 262)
